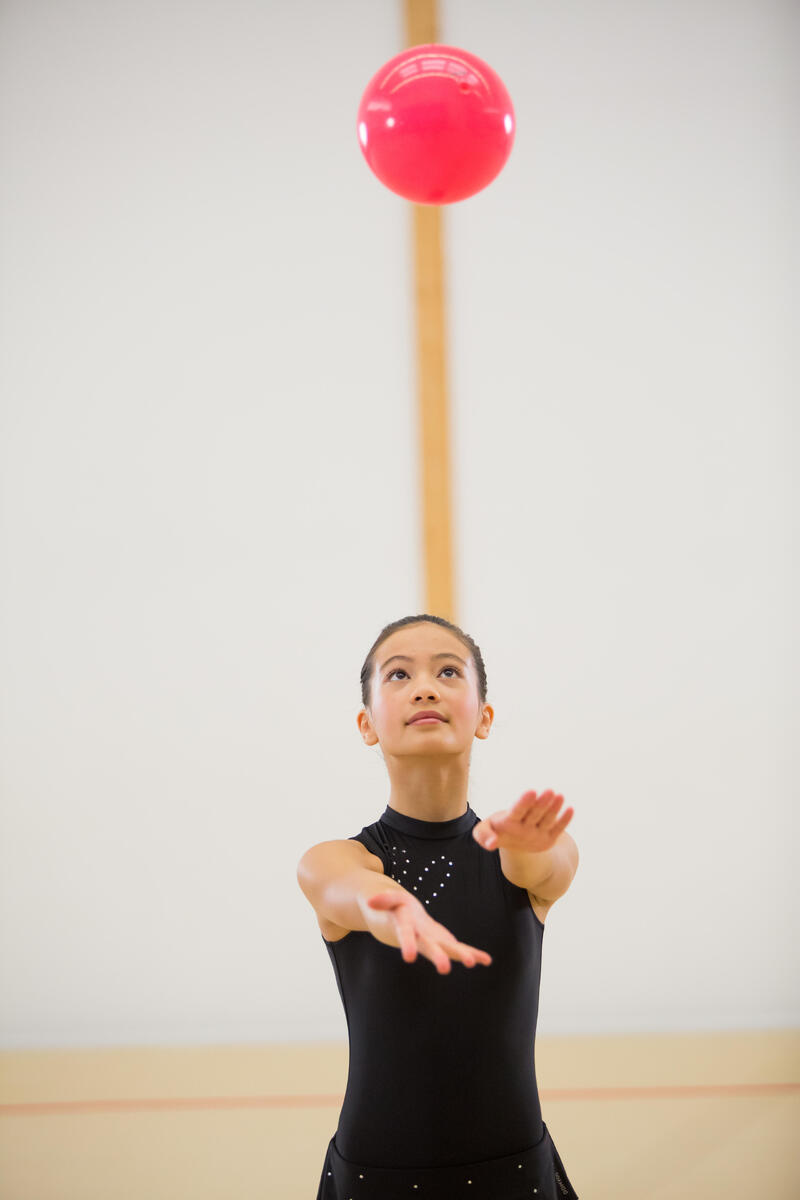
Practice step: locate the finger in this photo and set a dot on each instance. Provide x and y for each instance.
(536, 802)
(384, 900)
(469, 955)
(406, 937)
(483, 834)
(465, 953)
(555, 830)
(549, 811)
(529, 808)
(458, 951)
(435, 953)
(565, 820)
(525, 803)
(477, 956)
(479, 832)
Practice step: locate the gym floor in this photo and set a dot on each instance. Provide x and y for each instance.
(650, 1117)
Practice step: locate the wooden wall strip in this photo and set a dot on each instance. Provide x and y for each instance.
(422, 21)
(434, 470)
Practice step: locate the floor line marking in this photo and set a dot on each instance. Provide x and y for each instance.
(188, 1103)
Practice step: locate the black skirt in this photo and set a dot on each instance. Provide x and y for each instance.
(536, 1173)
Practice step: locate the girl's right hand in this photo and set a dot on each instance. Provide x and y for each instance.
(406, 925)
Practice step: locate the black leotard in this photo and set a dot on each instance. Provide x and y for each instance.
(441, 1066)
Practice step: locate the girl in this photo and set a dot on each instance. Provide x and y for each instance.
(441, 1100)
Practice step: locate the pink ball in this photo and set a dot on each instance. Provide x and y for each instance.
(436, 124)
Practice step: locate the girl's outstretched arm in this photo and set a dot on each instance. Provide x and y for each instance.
(535, 851)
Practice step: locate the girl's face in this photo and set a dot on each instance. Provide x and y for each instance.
(419, 668)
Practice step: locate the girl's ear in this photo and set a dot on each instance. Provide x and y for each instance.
(486, 720)
(366, 728)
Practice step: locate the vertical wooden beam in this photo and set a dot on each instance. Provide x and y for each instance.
(422, 21)
(422, 25)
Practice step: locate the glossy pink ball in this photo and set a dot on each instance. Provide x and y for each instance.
(436, 124)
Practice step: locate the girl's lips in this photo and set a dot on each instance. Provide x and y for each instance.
(428, 721)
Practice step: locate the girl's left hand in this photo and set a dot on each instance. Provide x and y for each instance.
(530, 825)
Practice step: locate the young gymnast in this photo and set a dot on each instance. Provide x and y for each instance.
(441, 1100)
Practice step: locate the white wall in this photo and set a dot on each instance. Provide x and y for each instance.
(210, 502)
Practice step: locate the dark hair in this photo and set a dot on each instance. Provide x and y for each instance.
(477, 657)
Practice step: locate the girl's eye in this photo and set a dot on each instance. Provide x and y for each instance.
(400, 669)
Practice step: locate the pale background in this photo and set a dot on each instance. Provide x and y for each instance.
(210, 500)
